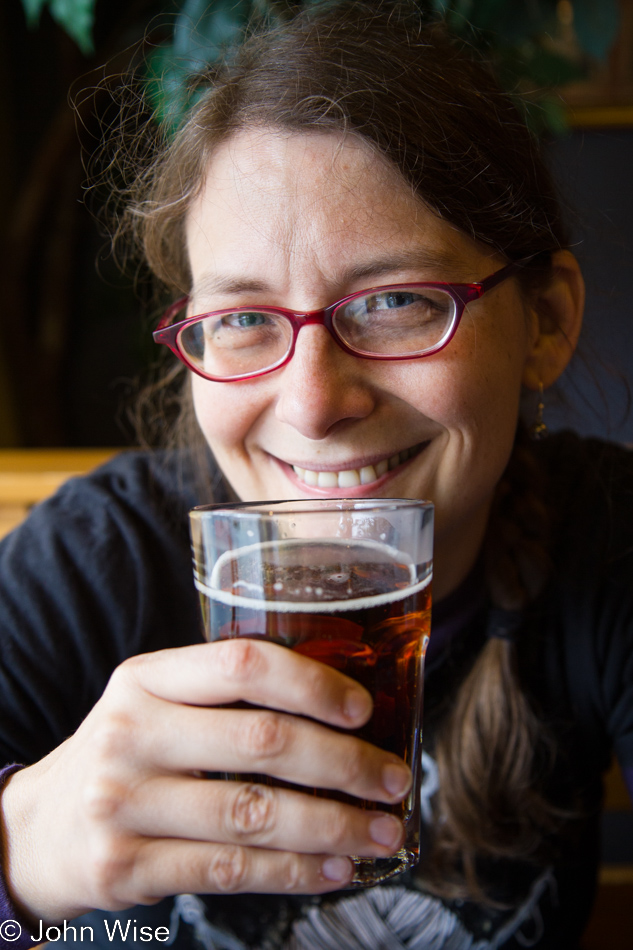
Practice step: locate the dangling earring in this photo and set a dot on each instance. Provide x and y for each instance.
(538, 429)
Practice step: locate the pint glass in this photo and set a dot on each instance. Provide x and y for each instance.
(346, 582)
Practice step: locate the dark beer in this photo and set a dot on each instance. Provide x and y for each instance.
(359, 606)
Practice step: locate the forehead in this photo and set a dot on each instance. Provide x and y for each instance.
(289, 201)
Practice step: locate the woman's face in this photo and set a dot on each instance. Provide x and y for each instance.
(299, 221)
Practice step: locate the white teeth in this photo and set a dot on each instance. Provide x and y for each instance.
(349, 479)
(327, 480)
(368, 475)
(352, 478)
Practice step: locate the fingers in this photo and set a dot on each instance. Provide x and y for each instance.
(286, 747)
(116, 816)
(261, 673)
(260, 816)
(162, 867)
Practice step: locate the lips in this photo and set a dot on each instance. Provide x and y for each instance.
(353, 478)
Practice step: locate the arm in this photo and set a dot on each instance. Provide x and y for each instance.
(10, 917)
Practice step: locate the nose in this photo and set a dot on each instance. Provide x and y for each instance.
(322, 388)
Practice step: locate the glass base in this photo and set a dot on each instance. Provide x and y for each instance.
(368, 871)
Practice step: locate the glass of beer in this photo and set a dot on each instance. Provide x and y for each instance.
(346, 582)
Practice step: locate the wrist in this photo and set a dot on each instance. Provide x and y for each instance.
(15, 923)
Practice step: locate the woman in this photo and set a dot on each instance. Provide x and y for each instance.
(352, 150)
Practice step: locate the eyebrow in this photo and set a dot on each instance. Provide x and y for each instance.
(402, 260)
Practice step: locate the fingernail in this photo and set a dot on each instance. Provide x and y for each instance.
(357, 705)
(337, 869)
(386, 830)
(396, 779)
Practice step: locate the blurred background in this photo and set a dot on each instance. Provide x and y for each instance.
(74, 333)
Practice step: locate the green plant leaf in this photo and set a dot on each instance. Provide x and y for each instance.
(544, 68)
(517, 22)
(511, 32)
(596, 25)
(545, 115)
(166, 87)
(439, 7)
(554, 114)
(204, 31)
(486, 14)
(33, 9)
(76, 17)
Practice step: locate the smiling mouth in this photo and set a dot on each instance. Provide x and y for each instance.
(353, 478)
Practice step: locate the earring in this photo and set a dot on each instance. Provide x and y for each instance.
(538, 429)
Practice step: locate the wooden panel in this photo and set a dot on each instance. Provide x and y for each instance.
(30, 475)
(11, 516)
(55, 460)
(616, 793)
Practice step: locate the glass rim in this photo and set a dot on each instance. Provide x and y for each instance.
(262, 509)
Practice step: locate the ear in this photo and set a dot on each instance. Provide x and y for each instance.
(556, 313)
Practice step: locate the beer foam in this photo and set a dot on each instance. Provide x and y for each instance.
(387, 553)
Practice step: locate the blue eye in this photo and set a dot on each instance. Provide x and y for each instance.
(397, 299)
(246, 320)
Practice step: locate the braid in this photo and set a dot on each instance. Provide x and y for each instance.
(492, 751)
(517, 541)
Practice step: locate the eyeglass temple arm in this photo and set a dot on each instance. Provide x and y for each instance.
(489, 282)
(170, 313)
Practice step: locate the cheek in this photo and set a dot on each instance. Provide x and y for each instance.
(486, 368)
(226, 412)
(463, 395)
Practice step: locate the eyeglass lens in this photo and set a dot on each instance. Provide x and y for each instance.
(395, 321)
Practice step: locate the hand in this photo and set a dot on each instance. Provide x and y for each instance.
(120, 814)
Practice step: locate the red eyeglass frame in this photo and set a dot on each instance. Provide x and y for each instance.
(462, 294)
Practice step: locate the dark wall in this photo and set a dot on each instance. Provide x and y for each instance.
(72, 332)
(595, 171)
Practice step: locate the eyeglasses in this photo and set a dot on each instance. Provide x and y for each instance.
(396, 322)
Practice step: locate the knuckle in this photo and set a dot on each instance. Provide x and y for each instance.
(111, 737)
(228, 869)
(338, 832)
(104, 799)
(353, 765)
(127, 672)
(264, 735)
(291, 874)
(110, 864)
(240, 659)
(253, 811)
(316, 682)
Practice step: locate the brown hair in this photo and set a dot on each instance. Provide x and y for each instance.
(423, 102)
